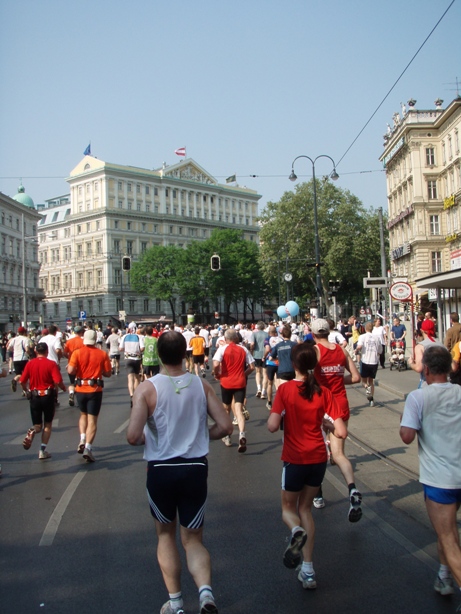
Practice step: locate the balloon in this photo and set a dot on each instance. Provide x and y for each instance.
(292, 308)
(281, 312)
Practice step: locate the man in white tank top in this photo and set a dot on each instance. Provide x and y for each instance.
(170, 418)
(433, 413)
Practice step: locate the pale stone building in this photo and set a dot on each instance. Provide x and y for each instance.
(422, 159)
(20, 293)
(115, 210)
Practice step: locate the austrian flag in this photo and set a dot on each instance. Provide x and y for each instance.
(181, 151)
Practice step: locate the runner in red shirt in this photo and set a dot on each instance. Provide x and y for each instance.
(39, 380)
(303, 403)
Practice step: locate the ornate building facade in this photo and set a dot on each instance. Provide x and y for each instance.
(115, 211)
(422, 158)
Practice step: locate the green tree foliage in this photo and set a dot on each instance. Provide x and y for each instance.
(348, 235)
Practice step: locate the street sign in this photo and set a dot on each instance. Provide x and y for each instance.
(122, 315)
(82, 315)
(401, 291)
(375, 282)
(362, 312)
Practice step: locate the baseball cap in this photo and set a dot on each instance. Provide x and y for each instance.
(89, 338)
(320, 326)
(45, 331)
(78, 329)
(21, 330)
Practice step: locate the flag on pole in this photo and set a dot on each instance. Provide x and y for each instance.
(87, 151)
(231, 179)
(181, 151)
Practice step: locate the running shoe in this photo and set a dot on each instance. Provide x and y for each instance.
(207, 366)
(263, 395)
(227, 441)
(167, 609)
(355, 509)
(292, 555)
(246, 413)
(203, 374)
(208, 606)
(372, 403)
(28, 439)
(269, 405)
(88, 455)
(71, 399)
(80, 447)
(308, 580)
(319, 503)
(444, 586)
(44, 454)
(235, 422)
(258, 394)
(14, 385)
(242, 445)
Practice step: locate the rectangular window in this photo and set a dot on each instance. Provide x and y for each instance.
(88, 249)
(147, 189)
(167, 192)
(79, 251)
(120, 204)
(430, 156)
(434, 224)
(129, 247)
(99, 277)
(436, 258)
(432, 190)
(146, 305)
(175, 193)
(155, 191)
(128, 225)
(117, 246)
(143, 247)
(120, 186)
(99, 247)
(129, 187)
(158, 304)
(115, 224)
(138, 189)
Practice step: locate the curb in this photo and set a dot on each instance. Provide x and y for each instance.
(398, 393)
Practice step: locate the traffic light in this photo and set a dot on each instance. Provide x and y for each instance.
(215, 263)
(126, 263)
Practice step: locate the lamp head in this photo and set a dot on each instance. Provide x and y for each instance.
(292, 177)
(334, 175)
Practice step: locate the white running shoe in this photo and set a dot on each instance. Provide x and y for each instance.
(319, 503)
(227, 441)
(308, 580)
(44, 454)
(355, 509)
(444, 586)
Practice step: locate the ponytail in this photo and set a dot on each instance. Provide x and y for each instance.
(304, 359)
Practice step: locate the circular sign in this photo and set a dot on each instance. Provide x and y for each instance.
(362, 312)
(401, 291)
(288, 276)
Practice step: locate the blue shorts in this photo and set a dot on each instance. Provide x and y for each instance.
(446, 496)
(295, 477)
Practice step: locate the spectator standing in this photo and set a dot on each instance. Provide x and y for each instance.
(380, 333)
(453, 334)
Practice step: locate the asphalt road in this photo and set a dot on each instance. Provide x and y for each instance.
(80, 538)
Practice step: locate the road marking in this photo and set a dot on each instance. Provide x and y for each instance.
(55, 519)
(122, 427)
(18, 440)
(385, 527)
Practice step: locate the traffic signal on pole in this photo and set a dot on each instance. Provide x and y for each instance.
(126, 263)
(215, 263)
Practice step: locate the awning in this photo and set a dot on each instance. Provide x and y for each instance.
(450, 280)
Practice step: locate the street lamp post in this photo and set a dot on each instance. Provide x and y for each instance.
(333, 175)
(24, 274)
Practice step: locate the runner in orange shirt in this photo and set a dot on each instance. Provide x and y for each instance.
(198, 345)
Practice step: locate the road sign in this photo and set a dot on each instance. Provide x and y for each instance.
(122, 315)
(401, 291)
(362, 312)
(375, 282)
(82, 315)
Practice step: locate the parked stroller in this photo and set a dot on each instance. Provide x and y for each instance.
(397, 358)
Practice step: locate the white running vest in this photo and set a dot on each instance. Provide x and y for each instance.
(178, 427)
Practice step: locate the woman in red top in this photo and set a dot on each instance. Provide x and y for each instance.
(303, 403)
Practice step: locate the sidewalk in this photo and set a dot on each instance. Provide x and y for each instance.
(400, 383)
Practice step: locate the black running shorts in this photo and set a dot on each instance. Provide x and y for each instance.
(42, 409)
(295, 477)
(133, 366)
(178, 486)
(227, 394)
(271, 372)
(199, 359)
(150, 370)
(89, 402)
(368, 370)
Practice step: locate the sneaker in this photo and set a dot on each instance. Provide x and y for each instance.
(227, 441)
(80, 447)
(14, 385)
(308, 579)
(319, 502)
(355, 509)
(269, 405)
(43, 454)
(208, 606)
(444, 586)
(263, 395)
(292, 555)
(167, 609)
(207, 366)
(235, 422)
(242, 445)
(88, 455)
(28, 439)
(372, 403)
(203, 374)
(258, 394)
(71, 399)
(246, 413)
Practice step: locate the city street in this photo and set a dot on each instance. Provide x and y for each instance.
(78, 537)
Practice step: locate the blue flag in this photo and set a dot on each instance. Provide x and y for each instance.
(87, 151)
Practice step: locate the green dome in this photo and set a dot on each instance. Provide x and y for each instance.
(21, 197)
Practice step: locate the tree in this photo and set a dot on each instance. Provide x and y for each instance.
(157, 273)
(348, 237)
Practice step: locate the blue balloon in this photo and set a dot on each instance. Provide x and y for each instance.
(292, 308)
(282, 312)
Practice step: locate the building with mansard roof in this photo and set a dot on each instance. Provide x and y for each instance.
(422, 158)
(115, 210)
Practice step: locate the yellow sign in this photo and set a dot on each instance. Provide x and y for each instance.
(449, 202)
(451, 238)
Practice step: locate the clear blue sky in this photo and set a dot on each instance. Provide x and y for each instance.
(246, 85)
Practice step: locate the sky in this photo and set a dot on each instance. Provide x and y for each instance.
(246, 86)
